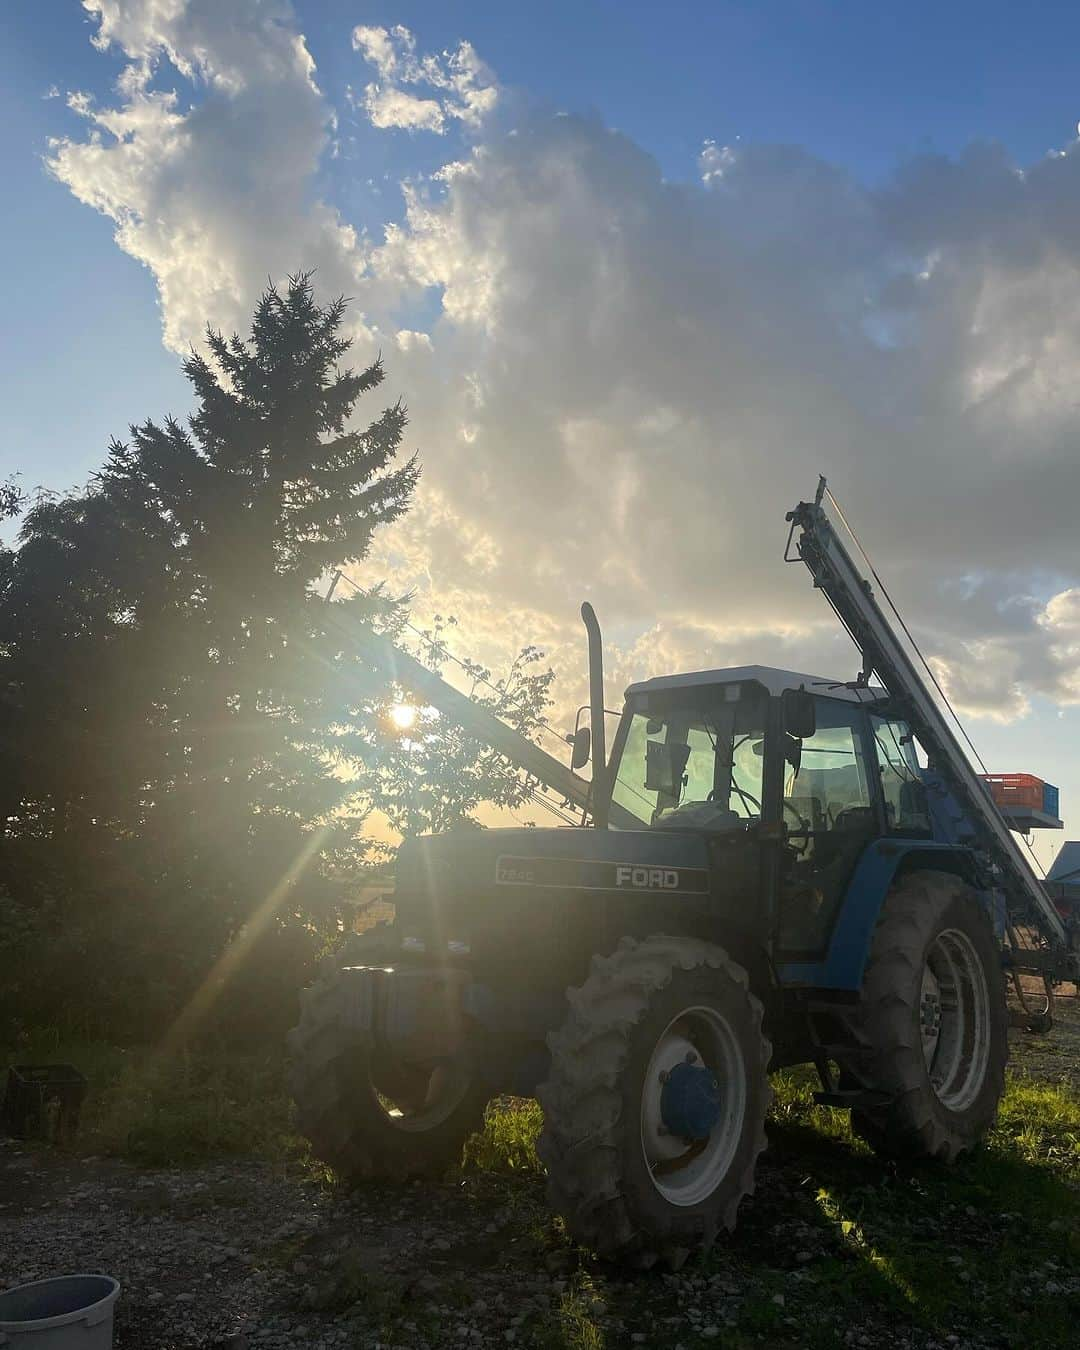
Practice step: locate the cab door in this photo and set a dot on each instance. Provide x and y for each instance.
(829, 811)
(903, 794)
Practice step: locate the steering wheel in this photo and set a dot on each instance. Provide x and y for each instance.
(741, 793)
(805, 829)
(804, 825)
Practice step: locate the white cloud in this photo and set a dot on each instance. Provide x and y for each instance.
(714, 161)
(628, 380)
(388, 106)
(460, 85)
(664, 371)
(214, 198)
(408, 339)
(1060, 619)
(981, 678)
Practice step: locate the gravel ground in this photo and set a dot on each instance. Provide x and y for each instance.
(234, 1257)
(1054, 1057)
(239, 1255)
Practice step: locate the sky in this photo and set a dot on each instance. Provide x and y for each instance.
(639, 275)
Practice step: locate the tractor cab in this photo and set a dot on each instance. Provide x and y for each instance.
(814, 766)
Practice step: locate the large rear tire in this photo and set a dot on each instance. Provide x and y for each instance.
(627, 1184)
(369, 1117)
(932, 1024)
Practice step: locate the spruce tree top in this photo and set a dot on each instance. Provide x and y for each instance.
(268, 480)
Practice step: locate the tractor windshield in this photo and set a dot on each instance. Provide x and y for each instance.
(695, 763)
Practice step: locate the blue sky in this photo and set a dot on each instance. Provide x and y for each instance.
(862, 85)
(861, 92)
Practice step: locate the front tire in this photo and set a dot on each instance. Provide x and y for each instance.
(370, 1117)
(637, 1173)
(933, 1022)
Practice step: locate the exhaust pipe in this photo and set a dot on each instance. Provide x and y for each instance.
(596, 717)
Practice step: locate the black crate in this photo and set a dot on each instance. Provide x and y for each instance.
(43, 1100)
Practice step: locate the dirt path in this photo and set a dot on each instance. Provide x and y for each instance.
(234, 1255)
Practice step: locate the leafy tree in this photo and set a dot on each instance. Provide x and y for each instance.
(431, 776)
(191, 742)
(10, 498)
(180, 691)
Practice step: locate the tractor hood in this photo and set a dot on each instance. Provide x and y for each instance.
(525, 907)
(498, 863)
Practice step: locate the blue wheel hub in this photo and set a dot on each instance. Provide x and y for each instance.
(690, 1101)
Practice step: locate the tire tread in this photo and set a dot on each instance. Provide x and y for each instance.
(580, 1144)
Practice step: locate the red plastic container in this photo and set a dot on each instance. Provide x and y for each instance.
(1016, 789)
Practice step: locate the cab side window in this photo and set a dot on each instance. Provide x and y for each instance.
(902, 787)
(831, 790)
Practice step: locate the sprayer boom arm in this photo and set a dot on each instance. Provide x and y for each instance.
(835, 572)
(429, 687)
(474, 719)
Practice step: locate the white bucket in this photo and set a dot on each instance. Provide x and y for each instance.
(69, 1312)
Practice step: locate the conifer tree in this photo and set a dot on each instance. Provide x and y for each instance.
(266, 489)
(191, 745)
(181, 695)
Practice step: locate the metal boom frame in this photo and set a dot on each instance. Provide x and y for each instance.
(835, 572)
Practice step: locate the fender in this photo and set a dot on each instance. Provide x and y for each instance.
(414, 1012)
(849, 944)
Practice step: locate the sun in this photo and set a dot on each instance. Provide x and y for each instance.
(403, 715)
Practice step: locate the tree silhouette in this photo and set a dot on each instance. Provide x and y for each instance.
(180, 699)
(192, 746)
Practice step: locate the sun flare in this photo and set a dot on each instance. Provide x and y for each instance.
(403, 715)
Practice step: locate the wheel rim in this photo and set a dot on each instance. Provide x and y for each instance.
(686, 1171)
(954, 1019)
(436, 1092)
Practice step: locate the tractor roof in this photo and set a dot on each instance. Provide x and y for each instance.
(775, 682)
(1067, 863)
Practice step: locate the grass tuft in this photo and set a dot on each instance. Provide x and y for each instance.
(168, 1112)
(507, 1142)
(1041, 1123)
(179, 1109)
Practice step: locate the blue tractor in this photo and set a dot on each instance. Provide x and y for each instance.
(771, 875)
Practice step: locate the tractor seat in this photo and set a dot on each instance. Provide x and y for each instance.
(850, 818)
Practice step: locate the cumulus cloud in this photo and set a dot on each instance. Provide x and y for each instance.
(214, 197)
(458, 85)
(627, 381)
(665, 369)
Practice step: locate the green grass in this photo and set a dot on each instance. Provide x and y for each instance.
(169, 1110)
(836, 1237)
(1040, 1124)
(969, 1249)
(507, 1142)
